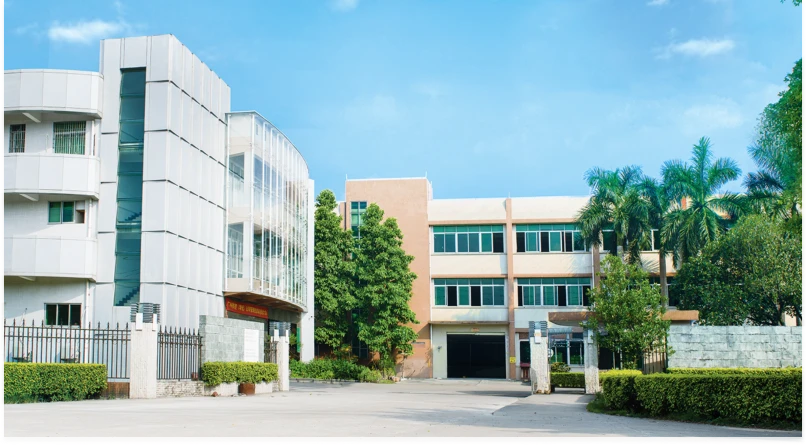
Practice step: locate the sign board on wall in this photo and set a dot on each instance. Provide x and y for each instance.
(251, 344)
(247, 309)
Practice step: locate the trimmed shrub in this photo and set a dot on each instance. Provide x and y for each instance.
(216, 373)
(33, 382)
(369, 375)
(748, 398)
(744, 371)
(560, 367)
(568, 379)
(618, 389)
(327, 369)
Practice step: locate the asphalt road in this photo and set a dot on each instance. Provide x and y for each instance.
(410, 408)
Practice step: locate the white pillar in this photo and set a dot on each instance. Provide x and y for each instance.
(306, 337)
(591, 364)
(539, 367)
(143, 360)
(282, 363)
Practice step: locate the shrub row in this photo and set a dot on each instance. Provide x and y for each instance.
(34, 382)
(327, 369)
(745, 371)
(618, 389)
(749, 398)
(216, 373)
(568, 379)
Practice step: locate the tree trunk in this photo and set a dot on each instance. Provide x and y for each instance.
(664, 288)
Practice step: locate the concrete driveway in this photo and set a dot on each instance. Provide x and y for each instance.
(410, 408)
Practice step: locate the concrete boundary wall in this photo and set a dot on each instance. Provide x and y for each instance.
(735, 346)
(223, 338)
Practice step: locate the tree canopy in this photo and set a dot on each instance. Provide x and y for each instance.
(629, 310)
(334, 286)
(751, 274)
(384, 287)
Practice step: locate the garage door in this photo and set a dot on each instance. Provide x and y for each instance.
(477, 356)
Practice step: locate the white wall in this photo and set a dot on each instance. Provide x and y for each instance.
(552, 264)
(467, 209)
(524, 315)
(469, 314)
(29, 297)
(468, 264)
(53, 90)
(542, 208)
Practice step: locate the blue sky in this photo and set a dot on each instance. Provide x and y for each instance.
(489, 98)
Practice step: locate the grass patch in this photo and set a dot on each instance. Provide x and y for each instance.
(597, 405)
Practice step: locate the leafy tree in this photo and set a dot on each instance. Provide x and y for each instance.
(616, 199)
(751, 274)
(334, 290)
(779, 187)
(629, 309)
(706, 213)
(384, 287)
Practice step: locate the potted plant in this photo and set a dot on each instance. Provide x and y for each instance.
(247, 389)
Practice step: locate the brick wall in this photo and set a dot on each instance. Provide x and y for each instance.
(735, 346)
(223, 338)
(179, 388)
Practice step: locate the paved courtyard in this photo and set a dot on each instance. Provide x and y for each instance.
(410, 408)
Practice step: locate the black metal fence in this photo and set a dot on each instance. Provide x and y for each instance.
(108, 345)
(178, 354)
(654, 362)
(269, 350)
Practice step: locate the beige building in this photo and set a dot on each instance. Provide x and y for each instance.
(485, 269)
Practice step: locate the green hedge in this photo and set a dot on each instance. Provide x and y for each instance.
(327, 369)
(34, 382)
(744, 371)
(568, 379)
(748, 398)
(216, 373)
(618, 389)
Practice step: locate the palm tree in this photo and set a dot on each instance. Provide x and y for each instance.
(616, 199)
(775, 189)
(657, 195)
(701, 213)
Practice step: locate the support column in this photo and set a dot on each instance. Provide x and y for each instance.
(591, 364)
(283, 363)
(143, 360)
(539, 369)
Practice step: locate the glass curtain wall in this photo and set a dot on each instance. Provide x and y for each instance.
(276, 212)
(130, 187)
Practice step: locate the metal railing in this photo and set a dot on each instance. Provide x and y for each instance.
(270, 350)
(69, 137)
(33, 343)
(16, 139)
(178, 354)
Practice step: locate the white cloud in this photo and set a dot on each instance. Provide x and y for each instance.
(344, 5)
(26, 29)
(697, 47)
(703, 118)
(85, 32)
(658, 2)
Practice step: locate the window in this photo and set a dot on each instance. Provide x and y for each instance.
(469, 292)
(655, 241)
(469, 239)
(68, 137)
(64, 212)
(609, 241)
(235, 251)
(357, 211)
(549, 238)
(16, 142)
(63, 314)
(553, 291)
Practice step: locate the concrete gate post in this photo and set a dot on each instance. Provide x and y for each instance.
(539, 368)
(283, 363)
(143, 360)
(591, 364)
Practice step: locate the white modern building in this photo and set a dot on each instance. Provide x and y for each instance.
(116, 193)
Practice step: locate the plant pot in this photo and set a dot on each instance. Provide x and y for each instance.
(247, 389)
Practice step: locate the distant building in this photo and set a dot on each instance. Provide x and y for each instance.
(485, 269)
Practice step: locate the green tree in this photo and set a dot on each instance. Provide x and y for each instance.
(752, 273)
(384, 287)
(629, 311)
(616, 200)
(334, 290)
(707, 212)
(776, 188)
